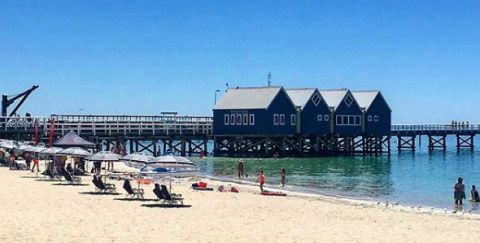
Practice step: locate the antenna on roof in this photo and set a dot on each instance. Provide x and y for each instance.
(269, 78)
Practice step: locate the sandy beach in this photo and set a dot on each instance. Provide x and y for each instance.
(41, 211)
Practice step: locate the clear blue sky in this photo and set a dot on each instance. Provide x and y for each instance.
(144, 57)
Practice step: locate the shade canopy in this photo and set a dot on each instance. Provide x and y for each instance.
(104, 156)
(171, 159)
(75, 151)
(30, 148)
(71, 139)
(7, 144)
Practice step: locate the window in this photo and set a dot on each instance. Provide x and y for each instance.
(326, 117)
(375, 118)
(339, 120)
(293, 119)
(348, 100)
(370, 118)
(232, 119)
(348, 120)
(316, 99)
(357, 120)
(275, 119)
(226, 119)
(282, 119)
(319, 117)
(245, 119)
(252, 119)
(239, 119)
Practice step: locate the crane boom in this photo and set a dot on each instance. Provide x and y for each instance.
(6, 102)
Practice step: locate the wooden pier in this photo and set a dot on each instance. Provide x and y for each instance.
(188, 135)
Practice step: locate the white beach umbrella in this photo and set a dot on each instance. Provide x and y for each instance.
(51, 151)
(171, 159)
(8, 144)
(104, 156)
(75, 152)
(137, 157)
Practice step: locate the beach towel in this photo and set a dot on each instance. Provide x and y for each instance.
(269, 193)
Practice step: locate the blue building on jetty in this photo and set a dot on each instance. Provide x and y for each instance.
(313, 113)
(346, 115)
(255, 111)
(377, 115)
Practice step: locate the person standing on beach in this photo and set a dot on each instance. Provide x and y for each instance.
(459, 191)
(283, 176)
(35, 163)
(261, 180)
(28, 159)
(240, 169)
(474, 194)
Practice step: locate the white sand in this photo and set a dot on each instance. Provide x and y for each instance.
(37, 211)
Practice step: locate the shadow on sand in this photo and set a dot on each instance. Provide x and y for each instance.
(135, 199)
(165, 206)
(100, 193)
(69, 184)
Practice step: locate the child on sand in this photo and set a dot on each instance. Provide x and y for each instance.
(459, 191)
(261, 180)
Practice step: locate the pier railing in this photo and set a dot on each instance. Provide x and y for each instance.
(97, 125)
(436, 128)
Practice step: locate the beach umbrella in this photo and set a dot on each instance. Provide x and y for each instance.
(51, 151)
(75, 152)
(137, 157)
(104, 156)
(8, 144)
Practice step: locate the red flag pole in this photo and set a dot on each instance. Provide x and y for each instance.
(36, 131)
(52, 130)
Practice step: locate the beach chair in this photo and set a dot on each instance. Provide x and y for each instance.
(52, 176)
(171, 198)
(132, 192)
(158, 192)
(71, 179)
(102, 187)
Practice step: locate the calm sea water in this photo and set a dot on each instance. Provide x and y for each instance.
(419, 178)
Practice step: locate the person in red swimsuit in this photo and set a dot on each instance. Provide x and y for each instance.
(261, 180)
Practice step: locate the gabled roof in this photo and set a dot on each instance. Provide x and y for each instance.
(300, 97)
(71, 139)
(365, 98)
(333, 97)
(248, 98)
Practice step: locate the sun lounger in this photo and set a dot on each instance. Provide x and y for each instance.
(132, 192)
(71, 179)
(171, 198)
(51, 176)
(158, 192)
(102, 187)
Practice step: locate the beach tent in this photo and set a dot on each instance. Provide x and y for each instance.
(71, 139)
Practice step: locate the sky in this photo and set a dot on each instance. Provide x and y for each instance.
(146, 57)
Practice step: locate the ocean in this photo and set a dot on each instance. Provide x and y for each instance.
(422, 178)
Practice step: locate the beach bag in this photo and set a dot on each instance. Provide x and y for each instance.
(202, 184)
(195, 185)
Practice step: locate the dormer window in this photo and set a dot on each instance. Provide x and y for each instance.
(348, 100)
(316, 99)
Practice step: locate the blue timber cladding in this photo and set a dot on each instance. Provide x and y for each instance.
(262, 110)
(346, 115)
(314, 111)
(377, 113)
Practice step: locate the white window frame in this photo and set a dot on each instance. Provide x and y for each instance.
(370, 118)
(293, 119)
(357, 118)
(282, 120)
(326, 118)
(239, 119)
(376, 118)
(276, 119)
(252, 120)
(348, 120)
(232, 119)
(245, 119)
(226, 119)
(339, 119)
(319, 117)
